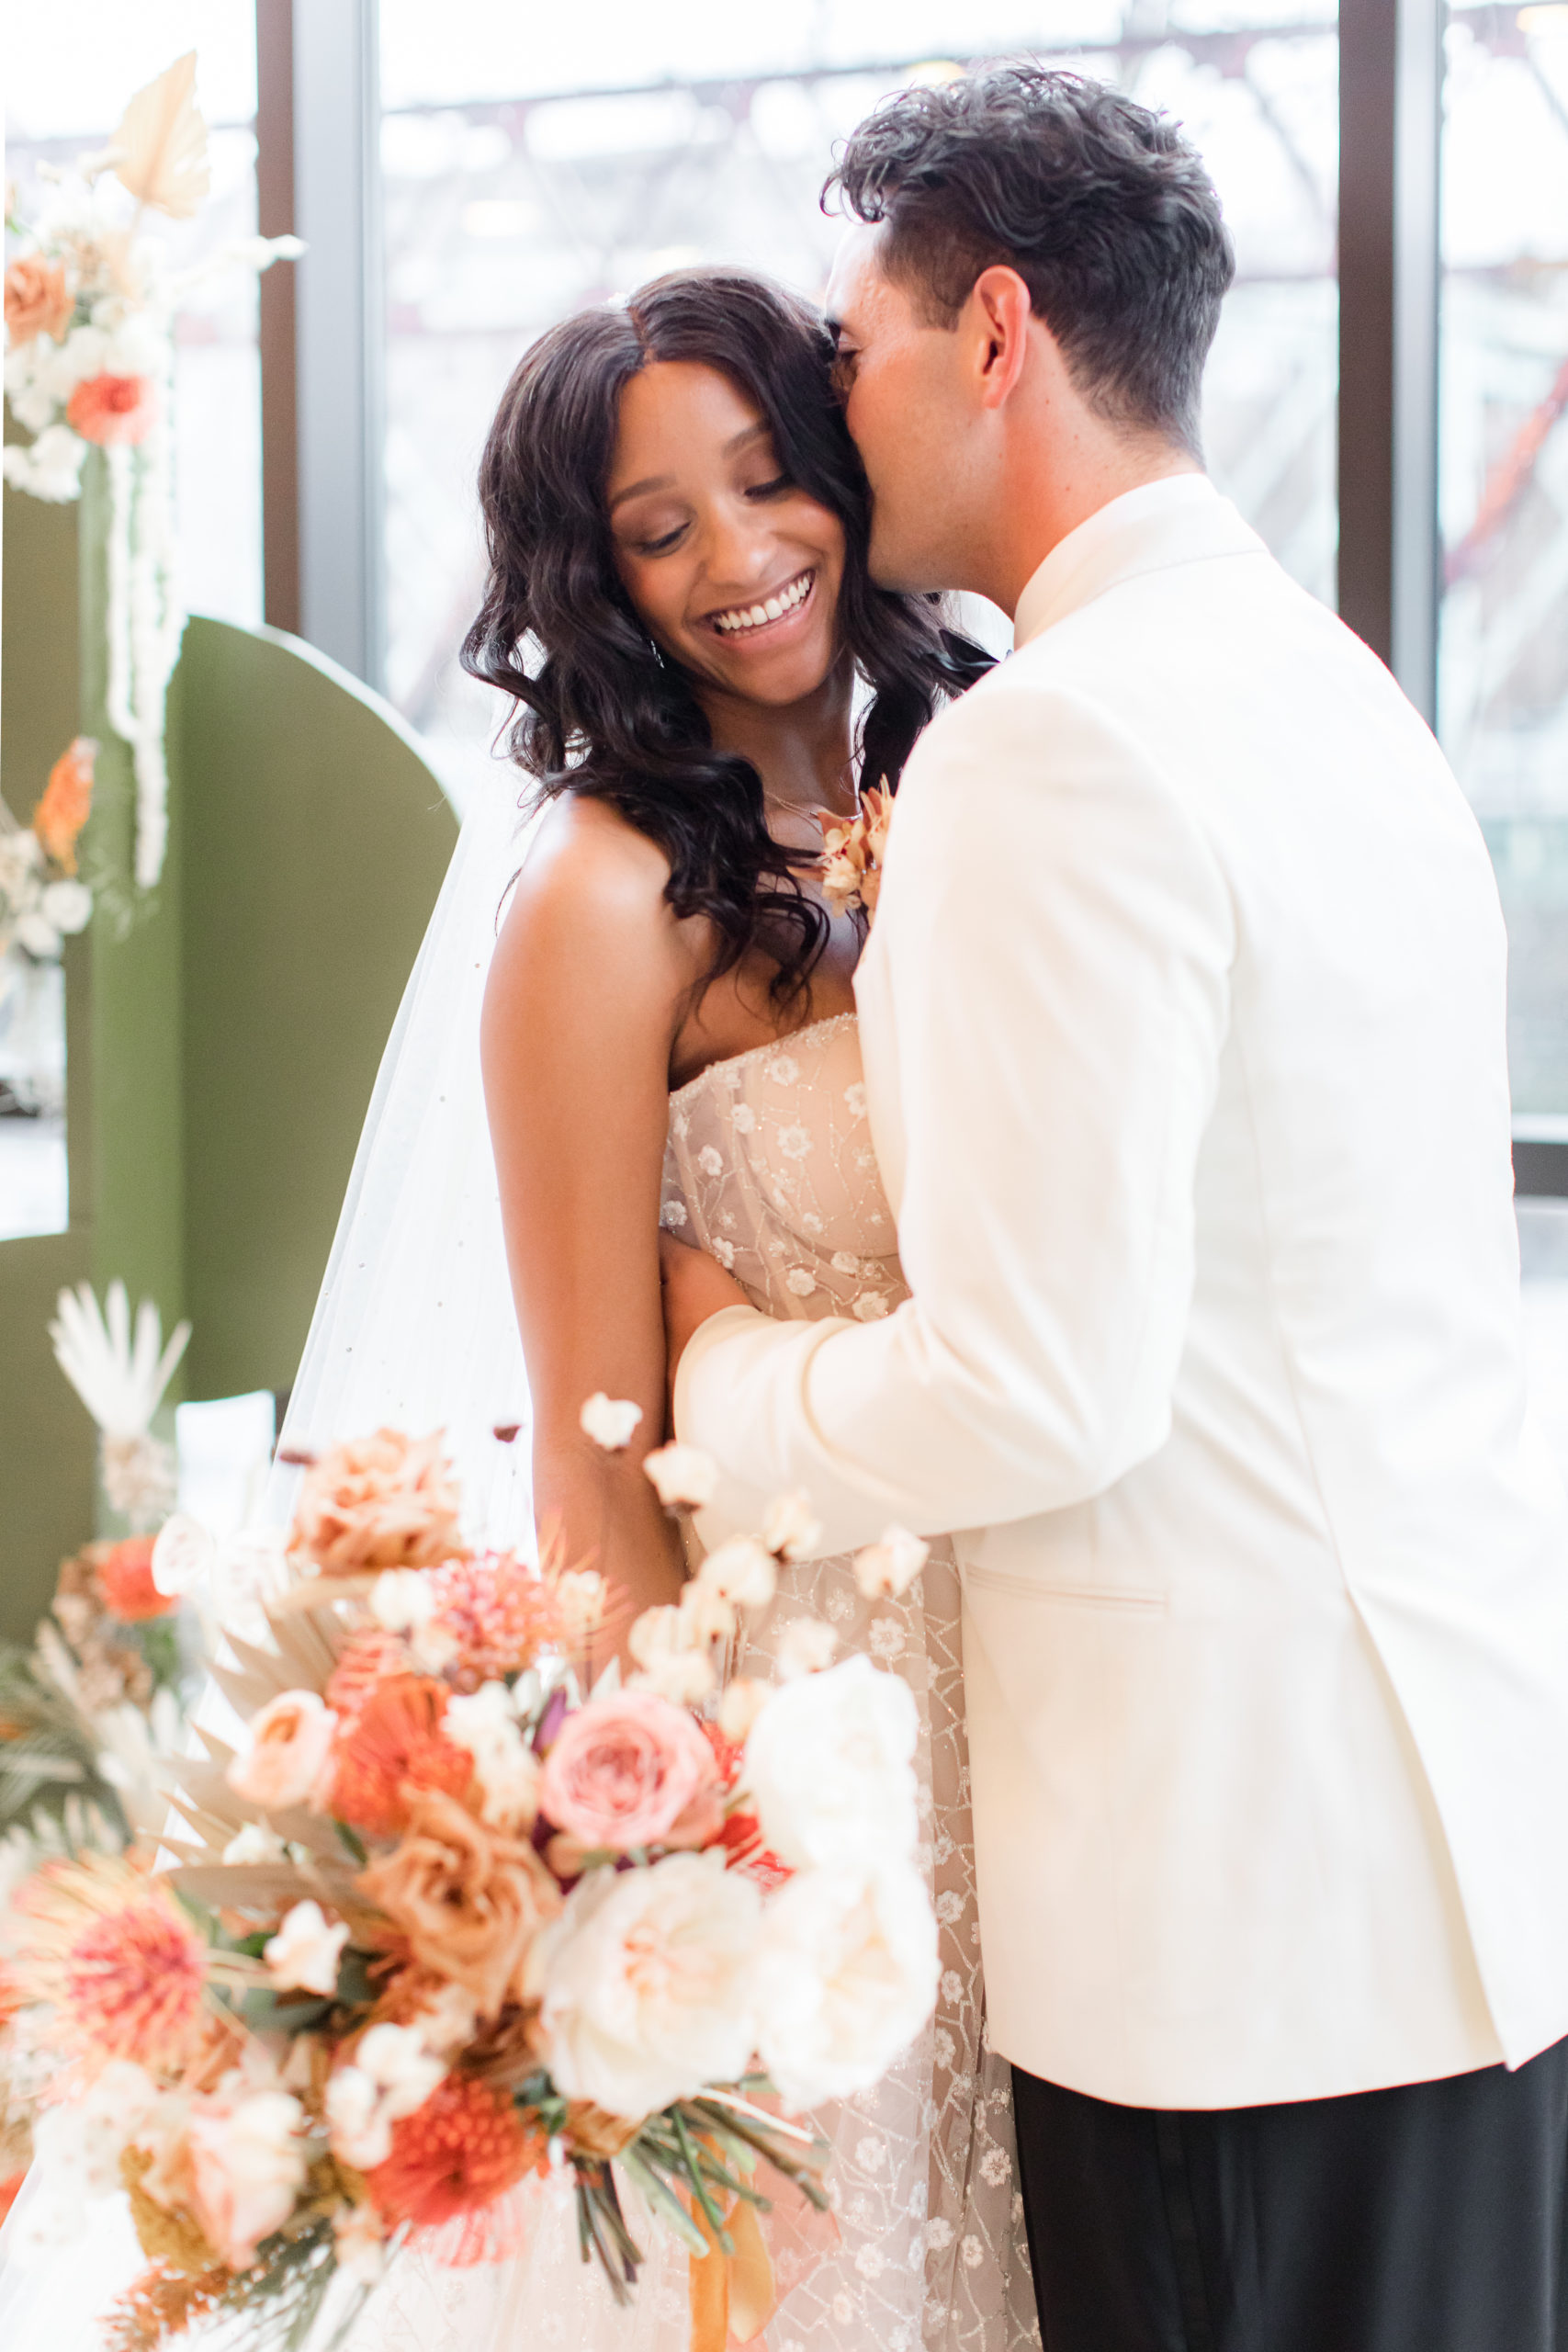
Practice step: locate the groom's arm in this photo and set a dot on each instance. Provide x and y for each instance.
(1042, 1011)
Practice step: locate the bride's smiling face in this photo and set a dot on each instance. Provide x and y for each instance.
(733, 570)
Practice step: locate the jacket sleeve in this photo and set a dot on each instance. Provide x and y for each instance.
(1044, 1001)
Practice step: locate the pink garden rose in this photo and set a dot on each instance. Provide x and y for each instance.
(630, 1770)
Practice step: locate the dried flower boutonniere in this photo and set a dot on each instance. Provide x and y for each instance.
(853, 853)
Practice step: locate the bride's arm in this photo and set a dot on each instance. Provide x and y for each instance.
(585, 990)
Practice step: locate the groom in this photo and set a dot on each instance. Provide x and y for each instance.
(1183, 1026)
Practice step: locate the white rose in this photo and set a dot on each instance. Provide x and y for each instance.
(790, 1528)
(646, 1980)
(805, 1646)
(504, 1765)
(740, 1571)
(305, 1952)
(830, 1769)
(885, 1571)
(68, 906)
(685, 1477)
(847, 1977)
(182, 1555)
(610, 1421)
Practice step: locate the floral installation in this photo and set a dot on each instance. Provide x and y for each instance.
(90, 302)
(853, 853)
(454, 1922)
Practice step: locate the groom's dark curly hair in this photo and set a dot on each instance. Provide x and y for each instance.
(1102, 207)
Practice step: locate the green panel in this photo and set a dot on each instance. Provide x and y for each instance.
(316, 839)
(46, 1440)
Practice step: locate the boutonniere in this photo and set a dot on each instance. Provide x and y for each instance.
(853, 853)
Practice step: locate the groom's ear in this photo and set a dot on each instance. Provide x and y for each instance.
(999, 317)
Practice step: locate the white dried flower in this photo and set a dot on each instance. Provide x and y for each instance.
(67, 905)
(392, 2073)
(305, 1952)
(255, 1843)
(359, 2244)
(665, 1645)
(885, 1571)
(141, 1478)
(708, 1616)
(610, 1421)
(805, 1646)
(684, 1478)
(504, 1765)
(582, 1598)
(739, 1709)
(741, 1572)
(790, 1528)
(402, 1599)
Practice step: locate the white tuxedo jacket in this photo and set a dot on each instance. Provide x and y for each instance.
(1183, 1026)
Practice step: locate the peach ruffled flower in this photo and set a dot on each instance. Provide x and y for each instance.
(124, 1968)
(461, 2150)
(67, 802)
(630, 1770)
(113, 411)
(370, 1659)
(470, 1900)
(852, 854)
(385, 1501)
(124, 1576)
(292, 1746)
(247, 2167)
(37, 300)
(393, 1753)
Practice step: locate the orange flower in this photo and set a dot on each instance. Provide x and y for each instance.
(67, 797)
(371, 1658)
(394, 1751)
(37, 302)
(470, 1900)
(113, 411)
(124, 1581)
(123, 1967)
(462, 2149)
(385, 1501)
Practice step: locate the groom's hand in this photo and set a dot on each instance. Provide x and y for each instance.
(696, 1286)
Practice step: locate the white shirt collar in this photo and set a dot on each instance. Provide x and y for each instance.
(1178, 519)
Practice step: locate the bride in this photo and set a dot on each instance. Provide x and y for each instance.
(679, 605)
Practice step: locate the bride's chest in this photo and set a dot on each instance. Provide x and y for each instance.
(769, 1166)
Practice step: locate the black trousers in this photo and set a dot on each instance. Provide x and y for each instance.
(1429, 2218)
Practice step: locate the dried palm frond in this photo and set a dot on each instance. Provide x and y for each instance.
(119, 1378)
(159, 151)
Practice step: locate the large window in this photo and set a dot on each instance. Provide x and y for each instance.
(532, 165)
(1503, 681)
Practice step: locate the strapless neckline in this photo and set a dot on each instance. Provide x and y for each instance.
(772, 1046)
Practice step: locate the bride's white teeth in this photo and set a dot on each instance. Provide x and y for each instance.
(757, 616)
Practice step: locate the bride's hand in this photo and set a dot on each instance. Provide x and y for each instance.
(696, 1286)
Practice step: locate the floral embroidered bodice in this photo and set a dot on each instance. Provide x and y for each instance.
(770, 1167)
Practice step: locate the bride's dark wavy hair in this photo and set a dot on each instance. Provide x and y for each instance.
(599, 711)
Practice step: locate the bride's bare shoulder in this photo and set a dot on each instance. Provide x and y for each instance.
(587, 908)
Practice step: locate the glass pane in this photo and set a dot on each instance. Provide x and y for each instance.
(1503, 678)
(533, 166)
(34, 1195)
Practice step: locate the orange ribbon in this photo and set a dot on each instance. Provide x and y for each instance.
(733, 2295)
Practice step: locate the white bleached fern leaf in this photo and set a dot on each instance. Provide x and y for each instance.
(120, 1377)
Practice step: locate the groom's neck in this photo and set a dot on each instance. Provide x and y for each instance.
(1054, 483)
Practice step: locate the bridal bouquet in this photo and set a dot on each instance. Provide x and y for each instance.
(449, 1920)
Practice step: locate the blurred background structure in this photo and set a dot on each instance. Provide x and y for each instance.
(1386, 401)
